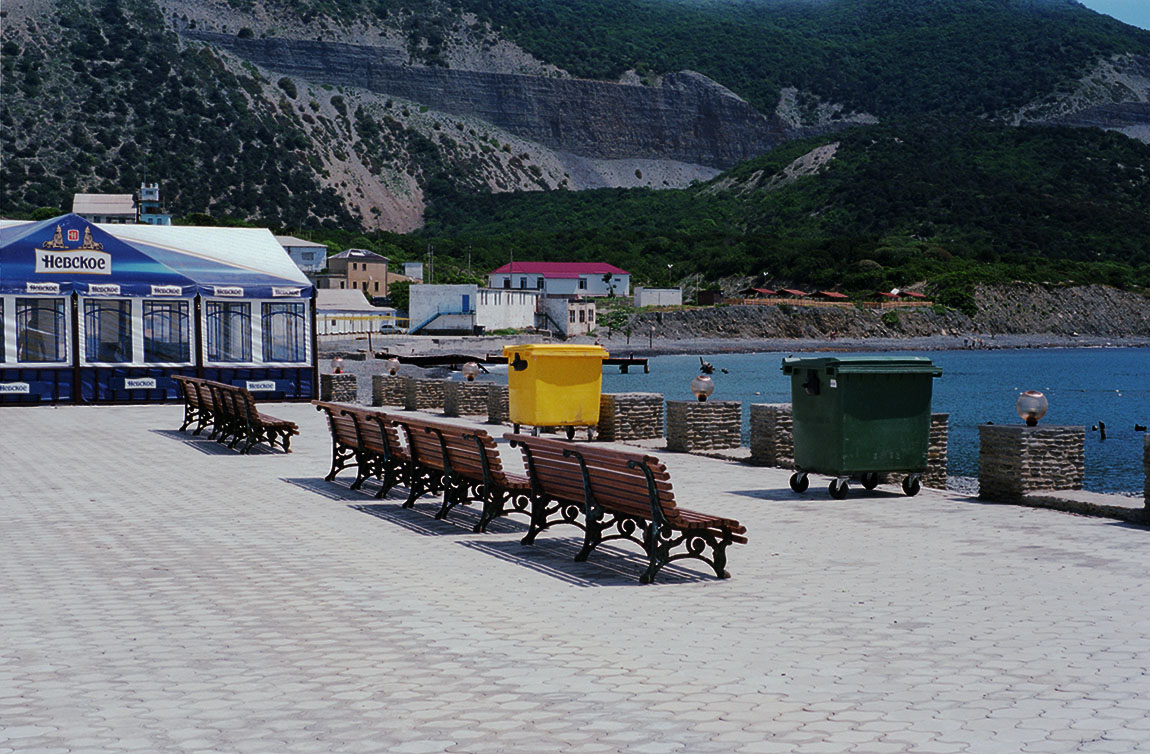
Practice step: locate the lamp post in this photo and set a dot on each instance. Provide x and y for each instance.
(392, 365)
(470, 370)
(1031, 406)
(702, 386)
(337, 365)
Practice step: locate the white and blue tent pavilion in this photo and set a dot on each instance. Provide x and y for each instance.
(108, 313)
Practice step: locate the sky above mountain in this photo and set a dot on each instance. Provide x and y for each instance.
(1133, 12)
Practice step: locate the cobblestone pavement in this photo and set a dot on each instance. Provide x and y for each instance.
(159, 593)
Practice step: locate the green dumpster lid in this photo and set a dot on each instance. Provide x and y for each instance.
(554, 349)
(864, 365)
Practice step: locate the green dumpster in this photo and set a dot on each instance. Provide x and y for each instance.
(856, 417)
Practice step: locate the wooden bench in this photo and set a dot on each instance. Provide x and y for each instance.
(369, 441)
(194, 408)
(238, 416)
(620, 495)
(464, 464)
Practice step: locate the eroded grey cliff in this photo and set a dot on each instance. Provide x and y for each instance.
(689, 118)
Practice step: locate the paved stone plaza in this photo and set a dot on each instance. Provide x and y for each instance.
(159, 593)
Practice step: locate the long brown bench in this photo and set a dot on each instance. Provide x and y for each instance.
(367, 440)
(199, 404)
(620, 495)
(464, 464)
(236, 415)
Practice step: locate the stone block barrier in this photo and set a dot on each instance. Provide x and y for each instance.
(630, 416)
(1016, 459)
(388, 390)
(464, 398)
(772, 438)
(498, 399)
(339, 388)
(704, 425)
(423, 393)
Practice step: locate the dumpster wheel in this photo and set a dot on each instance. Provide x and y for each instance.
(911, 485)
(869, 480)
(838, 488)
(799, 482)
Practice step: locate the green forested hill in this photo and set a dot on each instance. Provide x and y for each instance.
(887, 57)
(922, 198)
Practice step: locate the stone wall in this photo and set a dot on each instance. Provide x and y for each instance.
(1146, 469)
(423, 393)
(388, 390)
(704, 425)
(630, 416)
(464, 398)
(1016, 459)
(772, 441)
(498, 398)
(340, 388)
(935, 474)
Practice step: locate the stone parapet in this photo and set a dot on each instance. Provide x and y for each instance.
(630, 416)
(498, 400)
(388, 390)
(423, 393)
(704, 425)
(772, 438)
(340, 388)
(464, 398)
(1015, 459)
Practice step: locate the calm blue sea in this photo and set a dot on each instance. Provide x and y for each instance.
(1083, 385)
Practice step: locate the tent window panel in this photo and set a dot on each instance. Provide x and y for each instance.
(3, 346)
(107, 331)
(229, 325)
(166, 332)
(285, 332)
(41, 330)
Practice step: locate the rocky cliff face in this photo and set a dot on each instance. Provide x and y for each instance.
(1021, 309)
(688, 118)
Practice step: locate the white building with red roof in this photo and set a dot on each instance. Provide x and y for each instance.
(562, 278)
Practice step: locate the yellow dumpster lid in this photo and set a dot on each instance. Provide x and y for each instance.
(555, 349)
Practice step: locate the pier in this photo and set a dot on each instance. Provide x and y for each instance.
(456, 360)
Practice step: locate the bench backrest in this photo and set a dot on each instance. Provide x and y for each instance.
(618, 480)
(189, 389)
(375, 430)
(342, 426)
(470, 452)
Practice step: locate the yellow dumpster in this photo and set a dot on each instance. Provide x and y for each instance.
(554, 385)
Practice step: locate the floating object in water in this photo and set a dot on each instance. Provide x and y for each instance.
(1100, 428)
(1139, 427)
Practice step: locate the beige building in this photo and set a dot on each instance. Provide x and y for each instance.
(362, 269)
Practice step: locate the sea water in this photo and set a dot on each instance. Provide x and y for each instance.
(1085, 386)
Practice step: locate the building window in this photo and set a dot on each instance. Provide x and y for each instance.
(582, 315)
(166, 332)
(523, 283)
(539, 284)
(571, 315)
(107, 331)
(591, 315)
(582, 284)
(376, 285)
(229, 325)
(507, 282)
(285, 331)
(341, 284)
(364, 285)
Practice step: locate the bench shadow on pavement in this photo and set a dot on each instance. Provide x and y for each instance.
(550, 555)
(607, 566)
(210, 447)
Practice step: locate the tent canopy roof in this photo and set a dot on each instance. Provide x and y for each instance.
(247, 262)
